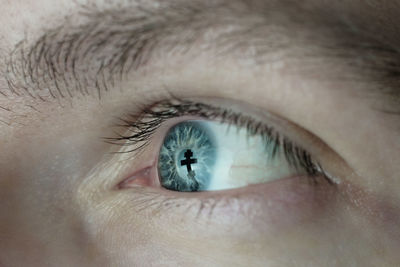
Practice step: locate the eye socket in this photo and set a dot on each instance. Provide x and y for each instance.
(207, 156)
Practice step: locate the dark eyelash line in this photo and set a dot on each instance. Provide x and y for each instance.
(142, 127)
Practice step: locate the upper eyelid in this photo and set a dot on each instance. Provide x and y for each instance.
(173, 106)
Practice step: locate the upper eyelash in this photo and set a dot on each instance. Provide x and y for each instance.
(142, 127)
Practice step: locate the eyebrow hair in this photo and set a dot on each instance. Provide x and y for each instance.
(90, 57)
(84, 56)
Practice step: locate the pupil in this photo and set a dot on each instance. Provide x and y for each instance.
(187, 157)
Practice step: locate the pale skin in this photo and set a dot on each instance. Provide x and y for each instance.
(60, 203)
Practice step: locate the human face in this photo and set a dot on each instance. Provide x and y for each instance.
(322, 74)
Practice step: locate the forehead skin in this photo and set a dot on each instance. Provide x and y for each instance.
(40, 17)
(28, 19)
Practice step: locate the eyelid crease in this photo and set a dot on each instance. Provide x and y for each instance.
(141, 127)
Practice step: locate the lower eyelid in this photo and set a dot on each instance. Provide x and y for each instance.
(278, 204)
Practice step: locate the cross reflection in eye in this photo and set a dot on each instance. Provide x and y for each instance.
(187, 157)
(207, 155)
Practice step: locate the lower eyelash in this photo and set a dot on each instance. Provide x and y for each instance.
(142, 127)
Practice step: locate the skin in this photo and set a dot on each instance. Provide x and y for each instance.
(60, 200)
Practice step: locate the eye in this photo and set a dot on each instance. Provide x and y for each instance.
(220, 149)
(206, 155)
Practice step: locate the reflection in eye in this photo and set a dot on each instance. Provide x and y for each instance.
(187, 158)
(205, 155)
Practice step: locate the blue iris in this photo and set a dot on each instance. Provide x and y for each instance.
(187, 157)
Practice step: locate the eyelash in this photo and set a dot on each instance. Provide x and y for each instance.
(143, 126)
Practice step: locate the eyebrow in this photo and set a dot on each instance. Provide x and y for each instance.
(90, 58)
